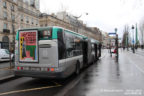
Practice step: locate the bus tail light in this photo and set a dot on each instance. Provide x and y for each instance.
(47, 69)
(18, 68)
(52, 69)
(21, 68)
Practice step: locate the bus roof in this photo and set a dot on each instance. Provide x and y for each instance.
(42, 28)
(57, 27)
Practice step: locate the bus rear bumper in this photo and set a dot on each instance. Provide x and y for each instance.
(37, 74)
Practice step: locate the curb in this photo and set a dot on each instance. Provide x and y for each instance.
(2, 79)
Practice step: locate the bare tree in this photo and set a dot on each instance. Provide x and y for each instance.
(141, 27)
(126, 37)
(63, 8)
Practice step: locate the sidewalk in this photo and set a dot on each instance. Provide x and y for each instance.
(5, 71)
(103, 53)
(140, 50)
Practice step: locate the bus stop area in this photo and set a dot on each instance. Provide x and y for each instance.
(6, 72)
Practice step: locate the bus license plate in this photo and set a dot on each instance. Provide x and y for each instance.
(34, 69)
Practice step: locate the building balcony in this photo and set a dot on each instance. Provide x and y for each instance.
(5, 18)
(7, 31)
(13, 20)
(5, 7)
(12, 10)
(28, 11)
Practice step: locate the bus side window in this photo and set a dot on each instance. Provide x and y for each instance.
(61, 45)
(70, 45)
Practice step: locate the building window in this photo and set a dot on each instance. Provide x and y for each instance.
(13, 28)
(4, 5)
(12, 8)
(5, 26)
(5, 15)
(22, 17)
(36, 22)
(13, 17)
(27, 19)
(32, 21)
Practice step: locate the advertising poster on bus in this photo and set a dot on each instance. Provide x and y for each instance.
(28, 47)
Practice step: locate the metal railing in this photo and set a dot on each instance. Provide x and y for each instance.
(28, 11)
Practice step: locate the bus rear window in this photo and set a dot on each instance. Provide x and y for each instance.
(45, 34)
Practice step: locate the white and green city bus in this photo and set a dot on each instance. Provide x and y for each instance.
(52, 52)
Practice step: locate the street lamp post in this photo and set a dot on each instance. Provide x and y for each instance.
(142, 42)
(133, 39)
(127, 38)
(116, 42)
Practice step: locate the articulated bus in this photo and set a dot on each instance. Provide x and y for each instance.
(53, 52)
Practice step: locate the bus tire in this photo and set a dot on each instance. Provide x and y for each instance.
(77, 72)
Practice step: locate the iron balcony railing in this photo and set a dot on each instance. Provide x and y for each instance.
(28, 11)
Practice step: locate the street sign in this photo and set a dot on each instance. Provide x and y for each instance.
(133, 41)
(112, 33)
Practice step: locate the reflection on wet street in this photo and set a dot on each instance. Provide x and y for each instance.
(109, 77)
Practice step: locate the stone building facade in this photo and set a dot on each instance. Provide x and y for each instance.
(105, 39)
(69, 22)
(16, 14)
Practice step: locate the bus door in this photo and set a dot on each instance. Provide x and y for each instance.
(95, 47)
(89, 52)
(85, 53)
(99, 50)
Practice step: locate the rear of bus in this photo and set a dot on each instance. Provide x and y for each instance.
(36, 53)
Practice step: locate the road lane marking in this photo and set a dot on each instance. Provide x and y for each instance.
(27, 90)
(56, 83)
(138, 67)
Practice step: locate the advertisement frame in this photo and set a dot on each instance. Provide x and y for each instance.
(37, 47)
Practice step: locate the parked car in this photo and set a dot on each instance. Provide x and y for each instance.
(5, 55)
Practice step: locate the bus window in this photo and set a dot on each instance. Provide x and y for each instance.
(69, 45)
(73, 45)
(61, 45)
(45, 34)
(78, 46)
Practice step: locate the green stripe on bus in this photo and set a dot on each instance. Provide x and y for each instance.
(17, 35)
(54, 33)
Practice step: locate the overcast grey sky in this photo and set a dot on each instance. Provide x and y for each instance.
(104, 14)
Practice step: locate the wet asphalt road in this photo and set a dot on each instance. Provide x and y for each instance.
(5, 69)
(107, 77)
(111, 78)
